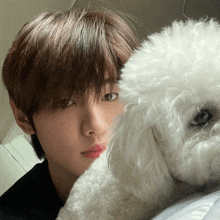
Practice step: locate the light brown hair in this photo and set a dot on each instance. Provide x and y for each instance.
(59, 54)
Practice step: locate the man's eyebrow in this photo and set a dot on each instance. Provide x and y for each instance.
(106, 81)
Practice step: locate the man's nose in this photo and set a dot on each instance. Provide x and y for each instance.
(93, 122)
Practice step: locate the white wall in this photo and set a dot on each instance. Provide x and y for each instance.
(16, 159)
(155, 14)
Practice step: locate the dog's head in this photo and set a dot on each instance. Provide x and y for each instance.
(171, 124)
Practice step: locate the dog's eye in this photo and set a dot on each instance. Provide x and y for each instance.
(202, 118)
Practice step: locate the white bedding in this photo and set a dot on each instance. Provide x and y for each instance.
(196, 207)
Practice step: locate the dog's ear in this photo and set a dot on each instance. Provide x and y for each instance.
(135, 159)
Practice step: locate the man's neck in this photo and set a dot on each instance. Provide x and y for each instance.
(62, 179)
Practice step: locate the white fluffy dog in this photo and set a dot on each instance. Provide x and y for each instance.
(170, 131)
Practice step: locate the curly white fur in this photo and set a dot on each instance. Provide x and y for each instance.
(170, 129)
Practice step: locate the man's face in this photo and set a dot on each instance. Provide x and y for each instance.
(67, 133)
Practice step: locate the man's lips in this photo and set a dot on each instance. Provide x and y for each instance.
(94, 151)
(95, 148)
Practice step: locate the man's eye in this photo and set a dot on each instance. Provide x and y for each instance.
(67, 103)
(71, 102)
(110, 96)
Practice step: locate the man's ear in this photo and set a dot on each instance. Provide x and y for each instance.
(21, 119)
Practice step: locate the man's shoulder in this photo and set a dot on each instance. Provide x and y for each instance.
(31, 195)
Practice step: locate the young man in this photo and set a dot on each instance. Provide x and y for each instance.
(61, 75)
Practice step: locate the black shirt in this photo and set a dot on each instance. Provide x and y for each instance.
(31, 197)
